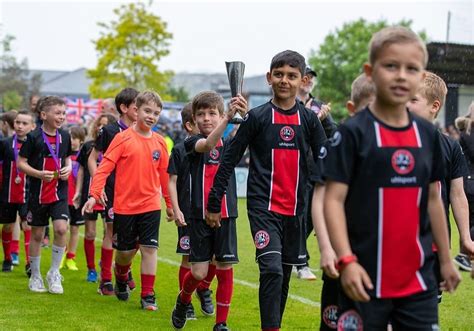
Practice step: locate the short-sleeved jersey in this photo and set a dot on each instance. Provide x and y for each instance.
(36, 151)
(105, 137)
(72, 180)
(179, 166)
(203, 167)
(140, 164)
(279, 142)
(12, 192)
(456, 167)
(388, 172)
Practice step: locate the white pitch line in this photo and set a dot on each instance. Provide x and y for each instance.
(298, 298)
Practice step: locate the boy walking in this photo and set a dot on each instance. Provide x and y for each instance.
(45, 158)
(139, 156)
(204, 154)
(388, 159)
(280, 134)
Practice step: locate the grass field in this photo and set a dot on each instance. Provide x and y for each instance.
(81, 308)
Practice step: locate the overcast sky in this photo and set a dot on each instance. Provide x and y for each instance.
(57, 34)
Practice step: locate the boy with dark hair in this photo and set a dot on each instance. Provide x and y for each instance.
(382, 169)
(280, 134)
(204, 153)
(125, 103)
(82, 192)
(138, 155)
(45, 158)
(78, 136)
(14, 187)
(179, 189)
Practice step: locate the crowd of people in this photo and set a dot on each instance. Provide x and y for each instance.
(376, 189)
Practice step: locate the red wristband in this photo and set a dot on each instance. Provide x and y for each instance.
(344, 261)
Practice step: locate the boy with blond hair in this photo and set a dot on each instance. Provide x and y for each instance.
(382, 173)
(362, 93)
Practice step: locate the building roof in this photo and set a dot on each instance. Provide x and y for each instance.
(454, 63)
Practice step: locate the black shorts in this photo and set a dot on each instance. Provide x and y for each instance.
(76, 218)
(183, 246)
(207, 242)
(8, 212)
(109, 208)
(131, 230)
(94, 215)
(329, 304)
(38, 215)
(414, 312)
(274, 233)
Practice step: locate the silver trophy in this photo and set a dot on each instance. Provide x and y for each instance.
(235, 73)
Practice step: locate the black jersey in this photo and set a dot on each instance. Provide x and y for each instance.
(105, 137)
(456, 167)
(14, 184)
(388, 172)
(39, 157)
(279, 143)
(82, 159)
(203, 169)
(179, 165)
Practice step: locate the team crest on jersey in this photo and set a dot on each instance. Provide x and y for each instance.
(262, 238)
(330, 316)
(403, 161)
(287, 133)
(110, 213)
(350, 320)
(156, 155)
(184, 243)
(214, 154)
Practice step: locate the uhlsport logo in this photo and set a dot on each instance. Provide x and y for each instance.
(156, 155)
(287, 133)
(214, 154)
(330, 316)
(111, 213)
(262, 238)
(184, 243)
(350, 320)
(403, 161)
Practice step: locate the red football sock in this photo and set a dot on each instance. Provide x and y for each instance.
(70, 255)
(15, 248)
(27, 234)
(148, 282)
(182, 272)
(225, 287)
(121, 272)
(89, 249)
(206, 282)
(189, 285)
(7, 245)
(106, 264)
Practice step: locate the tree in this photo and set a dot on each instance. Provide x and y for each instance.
(179, 94)
(340, 58)
(129, 51)
(15, 82)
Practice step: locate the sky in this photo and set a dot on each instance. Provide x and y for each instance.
(57, 35)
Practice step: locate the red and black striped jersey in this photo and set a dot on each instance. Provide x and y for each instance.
(203, 169)
(279, 142)
(179, 165)
(14, 184)
(72, 180)
(388, 172)
(39, 157)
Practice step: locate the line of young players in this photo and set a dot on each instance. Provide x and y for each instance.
(274, 216)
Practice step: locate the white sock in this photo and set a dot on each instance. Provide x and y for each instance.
(35, 266)
(57, 255)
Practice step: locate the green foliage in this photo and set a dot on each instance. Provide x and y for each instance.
(178, 94)
(129, 50)
(15, 83)
(340, 58)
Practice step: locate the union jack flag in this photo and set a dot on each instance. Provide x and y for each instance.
(76, 109)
